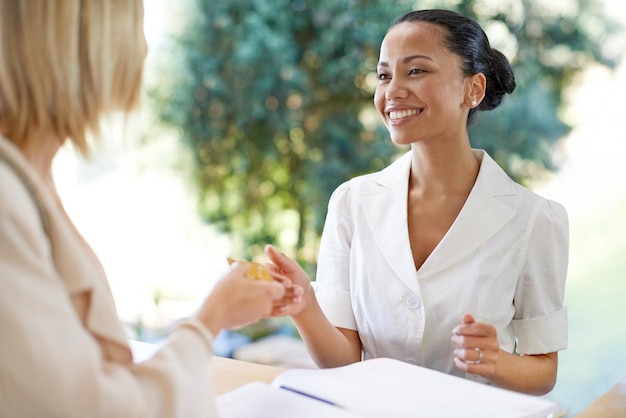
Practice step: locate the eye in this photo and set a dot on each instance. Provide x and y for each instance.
(414, 71)
(382, 76)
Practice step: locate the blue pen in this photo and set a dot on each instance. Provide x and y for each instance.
(308, 395)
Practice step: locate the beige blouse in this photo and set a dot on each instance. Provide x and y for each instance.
(63, 351)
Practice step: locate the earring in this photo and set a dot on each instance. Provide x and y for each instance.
(474, 103)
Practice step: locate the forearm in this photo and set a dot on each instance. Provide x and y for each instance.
(327, 345)
(532, 374)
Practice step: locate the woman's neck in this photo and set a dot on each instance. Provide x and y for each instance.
(40, 153)
(440, 170)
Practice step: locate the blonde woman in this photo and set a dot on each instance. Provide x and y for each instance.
(63, 352)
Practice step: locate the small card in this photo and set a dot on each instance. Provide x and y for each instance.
(256, 271)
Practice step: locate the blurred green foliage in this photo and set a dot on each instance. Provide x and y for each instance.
(274, 98)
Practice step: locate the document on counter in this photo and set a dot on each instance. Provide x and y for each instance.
(378, 388)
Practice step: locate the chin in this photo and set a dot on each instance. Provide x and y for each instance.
(401, 142)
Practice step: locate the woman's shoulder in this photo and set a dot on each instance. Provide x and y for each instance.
(17, 189)
(538, 204)
(531, 207)
(13, 190)
(20, 217)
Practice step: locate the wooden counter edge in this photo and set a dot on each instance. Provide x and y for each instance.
(228, 374)
(610, 405)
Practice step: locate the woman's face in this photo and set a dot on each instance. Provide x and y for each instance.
(422, 93)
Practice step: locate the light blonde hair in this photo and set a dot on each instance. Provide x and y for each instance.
(66, 63)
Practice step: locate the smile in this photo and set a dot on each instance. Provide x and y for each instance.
(401, 114)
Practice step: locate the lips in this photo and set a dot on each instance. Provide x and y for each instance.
(395, 115)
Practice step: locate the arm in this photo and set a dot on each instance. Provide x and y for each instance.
(540, 321)
(329, 346)
(53, 364)
(532, 374)
(175, 380)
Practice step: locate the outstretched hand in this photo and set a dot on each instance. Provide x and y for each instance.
(477, 347)
(237, 300)
(284, 269)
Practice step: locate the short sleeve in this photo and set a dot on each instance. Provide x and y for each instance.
(332, 285)
(540, 322)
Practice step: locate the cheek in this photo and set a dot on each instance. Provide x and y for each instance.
(379, 100)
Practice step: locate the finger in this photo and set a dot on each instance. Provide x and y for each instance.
(475, 328)
(470, 341)
(288, 299)
(468, 319)
(280, 277)
(471, 331)
(296, 290)
(284, 308)
(277, 290)
(485, 368)
(470, 356)
(272, 253)
(293, 291)
(280, 310)
(239, 267)
(281, 260)
(461, 365)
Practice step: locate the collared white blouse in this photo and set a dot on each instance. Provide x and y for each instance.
(504, 260)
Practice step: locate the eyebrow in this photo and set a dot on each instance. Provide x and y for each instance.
(407, 60)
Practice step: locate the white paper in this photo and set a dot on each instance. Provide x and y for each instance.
(390, 388)
(260, 400)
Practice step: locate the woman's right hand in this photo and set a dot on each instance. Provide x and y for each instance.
(286, 269)
(237, 300)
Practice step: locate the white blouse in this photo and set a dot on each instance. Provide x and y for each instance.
(504, 260)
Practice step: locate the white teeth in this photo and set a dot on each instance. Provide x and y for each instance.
(399, 114)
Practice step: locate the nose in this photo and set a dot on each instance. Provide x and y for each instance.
(395, 89)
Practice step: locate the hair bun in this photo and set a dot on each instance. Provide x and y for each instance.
(500, 80)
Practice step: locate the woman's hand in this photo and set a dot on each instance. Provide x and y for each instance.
(284, 269)
(477, 347)
(236, 300)
(478, 352)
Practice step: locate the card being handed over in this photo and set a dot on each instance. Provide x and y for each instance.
(256, 271)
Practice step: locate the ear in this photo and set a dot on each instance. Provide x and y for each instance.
(475, 92)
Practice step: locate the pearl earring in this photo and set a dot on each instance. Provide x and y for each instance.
(474, 103)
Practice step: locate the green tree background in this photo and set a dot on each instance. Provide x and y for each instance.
(274, 100)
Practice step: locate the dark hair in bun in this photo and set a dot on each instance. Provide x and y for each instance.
(465, 38)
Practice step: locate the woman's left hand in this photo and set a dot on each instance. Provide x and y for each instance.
(477, 347)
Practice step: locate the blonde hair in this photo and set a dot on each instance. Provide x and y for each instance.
(65, 63)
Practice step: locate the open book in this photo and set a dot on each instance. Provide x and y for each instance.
(378, 388)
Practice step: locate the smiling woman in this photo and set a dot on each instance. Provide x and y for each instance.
(441, 245)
